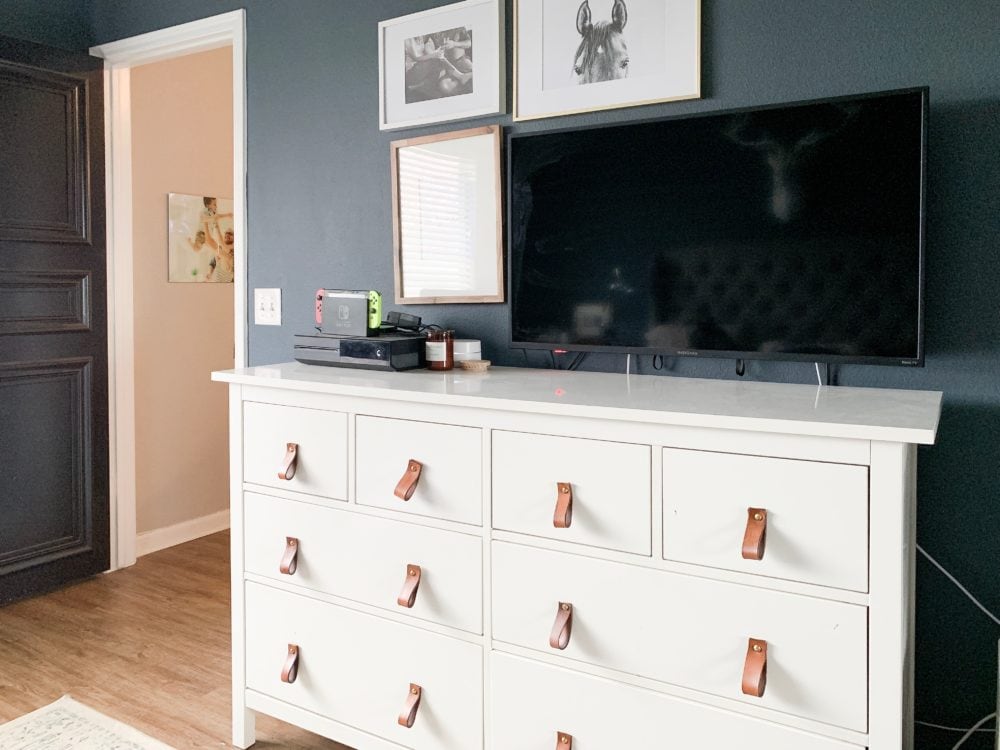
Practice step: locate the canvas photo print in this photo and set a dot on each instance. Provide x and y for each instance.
(200, 239)
(438, 65)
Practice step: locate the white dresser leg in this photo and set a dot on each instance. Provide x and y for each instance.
(244, 727)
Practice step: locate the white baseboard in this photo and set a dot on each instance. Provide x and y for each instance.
(168, 536)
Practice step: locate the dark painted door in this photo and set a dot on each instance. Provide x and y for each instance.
(54, 524)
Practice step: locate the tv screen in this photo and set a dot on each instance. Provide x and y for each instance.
(788, 232)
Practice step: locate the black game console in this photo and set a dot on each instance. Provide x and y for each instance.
(393, 352)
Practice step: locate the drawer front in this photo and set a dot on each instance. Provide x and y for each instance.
(365, 559)
(450, 485)
(532, 702)
(688, 631)
(609, 484)
(321, 437)
(816, 527)
(357, 669)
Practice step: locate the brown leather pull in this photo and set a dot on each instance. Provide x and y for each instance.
(291, 669)
(564, 505)
(408, 595)
(409, 714)
(290, 560)
(756, 534)
(755, 668)
(564, 741)
(408, 483)
(562, 627)
(290, 462)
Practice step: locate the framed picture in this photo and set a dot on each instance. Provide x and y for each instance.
(446, 63)
(447, 217)
(200, 239)
(573, 56)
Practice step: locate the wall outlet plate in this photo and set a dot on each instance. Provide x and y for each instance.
(267, 307)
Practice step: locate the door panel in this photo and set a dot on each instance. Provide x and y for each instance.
(53, 324)
(48, 165)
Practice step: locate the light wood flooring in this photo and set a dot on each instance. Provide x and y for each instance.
(148, 645)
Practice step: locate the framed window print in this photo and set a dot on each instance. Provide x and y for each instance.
(442, 64)
(447, 217)
(573, 56)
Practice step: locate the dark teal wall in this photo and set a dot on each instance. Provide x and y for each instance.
(319, 215)
(59, 23)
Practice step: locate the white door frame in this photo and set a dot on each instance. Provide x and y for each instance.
(119, 57)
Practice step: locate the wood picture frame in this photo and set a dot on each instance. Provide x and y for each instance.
(448, 249)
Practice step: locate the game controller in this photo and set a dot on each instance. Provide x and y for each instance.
(374, 310)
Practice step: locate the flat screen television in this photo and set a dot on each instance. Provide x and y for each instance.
(791, 232)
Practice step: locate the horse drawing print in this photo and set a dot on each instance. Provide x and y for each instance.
(602, 54)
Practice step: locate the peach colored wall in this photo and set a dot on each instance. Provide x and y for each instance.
(182, 142)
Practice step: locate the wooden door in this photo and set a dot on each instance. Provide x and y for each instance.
(54, 520)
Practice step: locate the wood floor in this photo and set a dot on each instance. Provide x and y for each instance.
(148, 645)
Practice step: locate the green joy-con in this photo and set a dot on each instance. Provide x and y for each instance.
(374, 310)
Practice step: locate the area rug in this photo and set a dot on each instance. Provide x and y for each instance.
(68, 725)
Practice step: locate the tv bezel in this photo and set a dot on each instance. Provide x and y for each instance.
(917, 361)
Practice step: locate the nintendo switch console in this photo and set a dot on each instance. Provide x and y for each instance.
(348, 313)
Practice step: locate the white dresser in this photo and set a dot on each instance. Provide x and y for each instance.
(539, 559)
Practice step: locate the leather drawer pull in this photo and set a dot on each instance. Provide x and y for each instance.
(564, 741)
(564, 506)
(755, 669)
(289, 464)
(290, 560)
(409, 714)
(408, 483)
(408, 596)
(755, 535)
(291, 669)
(562, 627)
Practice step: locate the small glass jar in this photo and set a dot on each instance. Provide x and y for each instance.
(440, 348)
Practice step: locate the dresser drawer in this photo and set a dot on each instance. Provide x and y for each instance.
(366, 559)
(320, 437)
(449, 484)
(532, 702)
(608, 486)
(688, 631)
(814, 516)
(358, 669)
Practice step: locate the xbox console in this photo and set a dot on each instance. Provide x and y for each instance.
(386, 352)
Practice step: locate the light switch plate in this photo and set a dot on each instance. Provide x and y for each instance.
(267, 307)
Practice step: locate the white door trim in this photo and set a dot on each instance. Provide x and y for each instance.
(119, 57)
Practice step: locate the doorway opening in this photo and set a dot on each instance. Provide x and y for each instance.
(146, 312)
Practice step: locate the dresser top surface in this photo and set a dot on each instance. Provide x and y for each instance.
(862, 413)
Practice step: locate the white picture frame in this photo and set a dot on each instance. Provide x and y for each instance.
(576, 56)
(442, 64)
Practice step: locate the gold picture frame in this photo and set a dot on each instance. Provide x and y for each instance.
(447, 218)
(677, 79)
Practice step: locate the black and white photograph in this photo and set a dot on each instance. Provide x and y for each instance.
(596, 41)
(438, 65)
(576, 56)
(442, 64)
